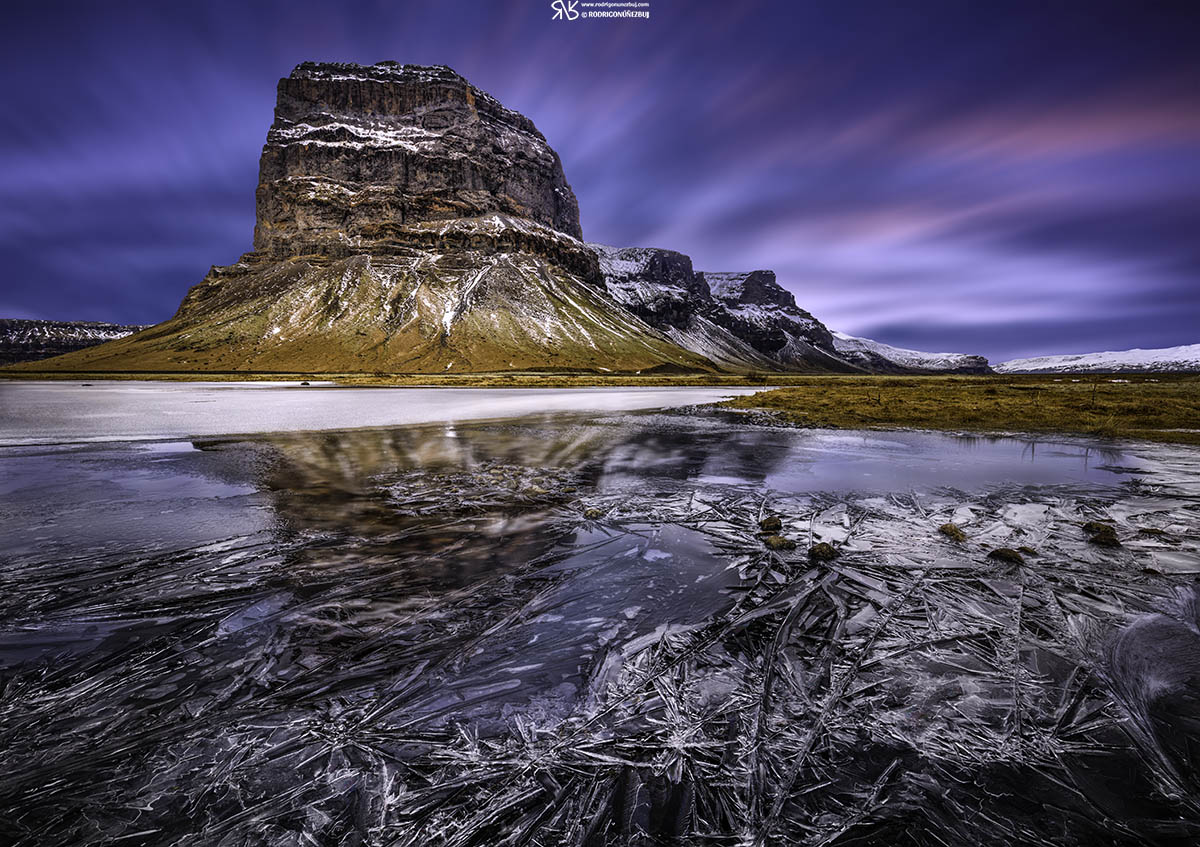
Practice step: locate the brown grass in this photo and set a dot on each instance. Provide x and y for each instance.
(498, 379)
(1150, 406)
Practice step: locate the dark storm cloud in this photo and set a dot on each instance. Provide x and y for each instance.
(1011, 180)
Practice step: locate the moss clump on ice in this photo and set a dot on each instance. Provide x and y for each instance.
(952, 532)
(778, 542)
(822, 552)
(1006, 555)
(1101, 534)
(770, 524)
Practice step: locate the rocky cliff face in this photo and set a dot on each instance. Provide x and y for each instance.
(661, 288)
(358, 150)
(747, 321)
(658, 286)
(32, 340)
(755, 308)
(741, 321)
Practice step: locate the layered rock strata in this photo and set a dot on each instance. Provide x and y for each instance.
(354, 149)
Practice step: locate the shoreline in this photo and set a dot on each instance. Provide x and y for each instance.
(1157, 407)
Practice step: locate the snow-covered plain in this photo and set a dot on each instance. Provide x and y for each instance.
(58, 412)
(1183, 358)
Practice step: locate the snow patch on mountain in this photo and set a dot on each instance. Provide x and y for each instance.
(867, 353)
(718, 345)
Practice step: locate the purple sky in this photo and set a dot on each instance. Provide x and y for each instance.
(993, 177)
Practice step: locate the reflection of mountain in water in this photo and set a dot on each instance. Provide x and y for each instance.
(375, 483)
(430, 510)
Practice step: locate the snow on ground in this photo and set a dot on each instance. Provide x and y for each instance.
(57, 412)
(1183, 358)
(726, 285)
(717, 344)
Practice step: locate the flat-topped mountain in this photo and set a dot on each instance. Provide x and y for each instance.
(407, 222)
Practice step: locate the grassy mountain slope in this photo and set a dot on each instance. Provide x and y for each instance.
(469, 299)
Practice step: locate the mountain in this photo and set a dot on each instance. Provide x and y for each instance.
(758, 310)
(884, 358)
(661, 288)
(408, 222)
(747, 321)
(30, 340)
(467, 295)
(1165, 359)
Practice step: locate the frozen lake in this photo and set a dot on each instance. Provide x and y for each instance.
(62, 412)
(451, 631)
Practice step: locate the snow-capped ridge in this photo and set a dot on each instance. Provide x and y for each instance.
(30, 340)
(868, 352)
(746, 320)
(1184, 358)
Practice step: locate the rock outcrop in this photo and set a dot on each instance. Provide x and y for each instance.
(661, 288)
(358, 151)
(742, 321)
(746, 321)
(755, 308)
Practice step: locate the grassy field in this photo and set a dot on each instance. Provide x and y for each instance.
(502, 379)
(1151, 406)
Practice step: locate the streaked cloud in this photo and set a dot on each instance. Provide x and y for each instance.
(1014, 180)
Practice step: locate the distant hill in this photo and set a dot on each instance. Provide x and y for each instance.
(1185, 359)
(884, 358)
(31, 340)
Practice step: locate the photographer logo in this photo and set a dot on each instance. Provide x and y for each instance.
(564, 9)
